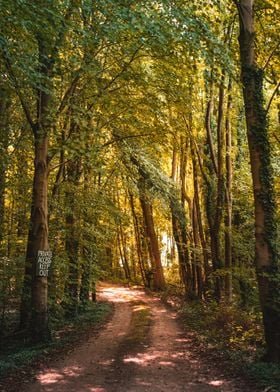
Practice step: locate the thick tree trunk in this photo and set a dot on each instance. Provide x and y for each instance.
(37, 240)
(36, 287)
(267, 265)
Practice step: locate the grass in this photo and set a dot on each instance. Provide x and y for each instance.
(140, 324)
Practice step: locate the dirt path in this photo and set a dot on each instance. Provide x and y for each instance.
(141, 349)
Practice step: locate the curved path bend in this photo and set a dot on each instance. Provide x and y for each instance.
(141, 349)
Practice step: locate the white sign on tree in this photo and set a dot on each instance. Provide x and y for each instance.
(43, 263)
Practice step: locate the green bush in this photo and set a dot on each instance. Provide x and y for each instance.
(228, 327)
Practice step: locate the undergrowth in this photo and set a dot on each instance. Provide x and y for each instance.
(235, 335)
(18, 353)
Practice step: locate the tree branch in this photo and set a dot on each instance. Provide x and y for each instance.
(270, 56)
(17, 89)
(272, 97)
(120, 138)
(69, 92)
(276, 137)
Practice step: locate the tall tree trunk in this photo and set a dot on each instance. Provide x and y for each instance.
(123, 253)
(180, 236)
(138, 240)
(197, 253)
(199, 217)
(158, 279)
(89, 244)
(220, 186)
(214, 193)
(208, 117)
(37, 240)
(228, 203)
(74, 171)
(267, 266)
(85, 277)
(38, 228)
(196, 222)
(179, 224)
(4, 142)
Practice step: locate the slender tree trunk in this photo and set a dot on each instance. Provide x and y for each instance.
(210, 202)
(202, 239)
(123, 253)
(220, 184)
(159, 281)
(174, 163)
(88, 248)
(208, 127)
(85, 278)
(72, 245)
(59, 175)
(180, 236)
(228, 203)
(2, 199)
(4, 142)
(197, 254)
(138, 240)
(196, 218)
(179, 225)
(267, 265)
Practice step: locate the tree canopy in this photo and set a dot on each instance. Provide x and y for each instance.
(139, 142)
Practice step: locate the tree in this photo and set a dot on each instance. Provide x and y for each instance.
(266, 258)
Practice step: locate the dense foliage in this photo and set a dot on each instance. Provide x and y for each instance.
(138, 108)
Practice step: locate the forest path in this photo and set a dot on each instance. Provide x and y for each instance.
(141, 349)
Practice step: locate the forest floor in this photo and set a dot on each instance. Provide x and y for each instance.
(142, 348)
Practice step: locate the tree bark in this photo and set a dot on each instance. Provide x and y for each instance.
(197, 258)
(37, 240)
(202, 239)
(228, 203)
(138, 241)
(123, 253)
(5, 101)
(215, 193)
(38, 228)
(180, 236)
(72, 245)
(267, 266)
(158, 279)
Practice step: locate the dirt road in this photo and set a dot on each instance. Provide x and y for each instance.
(141, 349)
